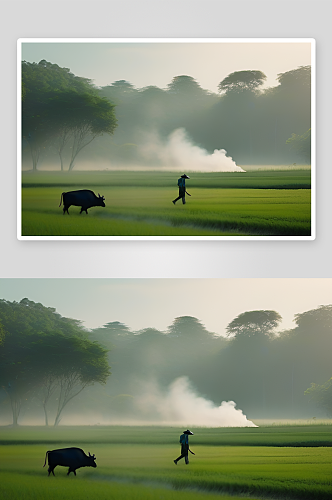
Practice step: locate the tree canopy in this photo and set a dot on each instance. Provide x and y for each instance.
(254, 323)
(295, 79)
(321, 395)
(44, 353)
(185, 85)
(240, 81)
(320, 319)
(44, 76)
(59, 108)
(301, 144)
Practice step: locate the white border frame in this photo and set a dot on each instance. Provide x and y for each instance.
(312, 41)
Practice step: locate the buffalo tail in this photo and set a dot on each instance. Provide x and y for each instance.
(46, 458)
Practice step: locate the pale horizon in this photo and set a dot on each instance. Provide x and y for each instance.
(152, 63)
(156, 302)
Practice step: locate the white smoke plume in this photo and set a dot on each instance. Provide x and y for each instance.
(179, 153)
(180, 405)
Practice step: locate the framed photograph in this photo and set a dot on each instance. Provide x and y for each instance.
(157, 139)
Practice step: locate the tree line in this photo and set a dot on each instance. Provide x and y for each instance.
(63, 113)
(268, 373)
(48, 361)
(45, 359)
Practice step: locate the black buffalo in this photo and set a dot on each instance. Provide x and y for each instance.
(83, 198)
(74, 458)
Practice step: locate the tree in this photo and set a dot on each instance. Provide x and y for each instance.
(36, 127)
(151, 346)
(42, 353)
(111, 334)
(62, 120)
(18, 375)
(39, 81)
(152, 108)
(2, 334)
(118, 91)
(240, 81)
(238, 112)
(68, 365)
(19, 361)
(295, 79)
(244, 366)
(185, 85)
(91, 116)
(250, 334)
(291, 108)
(301, 144)
(59, 107)
(322, 395)
(84, 364)
(186, 326)
(316, 322)
(253, 323)
(304, 353)
(44, 76)
(191, 350)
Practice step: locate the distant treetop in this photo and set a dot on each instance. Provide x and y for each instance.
(300, 76)
(184, 84)
(251, 323)
(242, 80)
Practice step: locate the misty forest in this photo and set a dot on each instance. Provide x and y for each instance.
(52, 369)
(67, 121)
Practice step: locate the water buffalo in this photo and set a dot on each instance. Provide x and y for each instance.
(74, 458)
(83, 198)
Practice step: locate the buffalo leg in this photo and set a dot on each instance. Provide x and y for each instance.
(51, 469)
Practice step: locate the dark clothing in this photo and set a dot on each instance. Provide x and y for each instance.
(184, 453)
(182, 194)
(182, 190)
(184, 448)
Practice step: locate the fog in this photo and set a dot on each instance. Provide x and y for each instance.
(176, 152)
(177, 405)
(182, 375)
(182, 125)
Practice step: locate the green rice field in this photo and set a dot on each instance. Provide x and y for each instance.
(254, 203)
(280, 462)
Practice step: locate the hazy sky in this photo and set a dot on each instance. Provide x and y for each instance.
(141, 303)
(144, 64)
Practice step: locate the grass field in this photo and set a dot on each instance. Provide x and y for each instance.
(255, 203)
(286, 462)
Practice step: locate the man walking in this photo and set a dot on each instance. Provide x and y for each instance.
(182, 189)
(185, 446)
